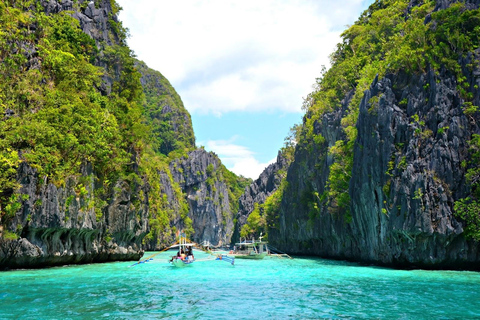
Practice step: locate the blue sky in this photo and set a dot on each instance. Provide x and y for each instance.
(246, 141)
(241, 68)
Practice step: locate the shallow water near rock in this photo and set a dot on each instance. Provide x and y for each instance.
(271, 288)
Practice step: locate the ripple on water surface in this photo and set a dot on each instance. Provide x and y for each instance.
(270, 289)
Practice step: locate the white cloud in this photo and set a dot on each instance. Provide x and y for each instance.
(250, 167)
(237, 158)
(242, 55)
(224, 55)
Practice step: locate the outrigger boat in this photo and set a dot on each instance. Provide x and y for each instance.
(184, 255)
(250, 249)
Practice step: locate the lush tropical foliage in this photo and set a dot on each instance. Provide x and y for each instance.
(468, 208)
(169, 121)
(61, 112)
(54, 117)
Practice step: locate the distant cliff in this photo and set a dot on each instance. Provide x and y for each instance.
(200, 176)
(383, 161)
(257, 193)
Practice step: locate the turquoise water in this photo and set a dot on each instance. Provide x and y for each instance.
(303, 288)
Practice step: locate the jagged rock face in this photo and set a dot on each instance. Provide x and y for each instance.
(168, 190)
(200, 177)
(59, 225)
(444, 4)
(93, 18)
(267, 183)
(417, 227)
(71, 223)
(172, 205)
(406, 175)
(299, 231)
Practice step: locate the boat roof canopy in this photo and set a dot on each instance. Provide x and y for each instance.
(251, 243)
(182, 245)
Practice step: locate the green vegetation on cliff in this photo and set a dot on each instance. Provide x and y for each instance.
(53, 115)
(468, 208)
(264, 216)
(57, 115)
(170, 122)
(236, 186)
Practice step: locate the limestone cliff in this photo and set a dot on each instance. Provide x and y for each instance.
(200, 175)
(98, 19)
(90, 147)
(299, 228)
(416, 225)
(93, 16)
(94, 211)
(257, 192)
(62, 225)
(408, 168)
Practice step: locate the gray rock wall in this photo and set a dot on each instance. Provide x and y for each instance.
(406, 175)
(68, 224)
(257, 192)
(93, 18)
(62, 225)
(302, 230)
(201, 179)
(405, 215)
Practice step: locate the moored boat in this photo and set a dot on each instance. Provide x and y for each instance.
(179, 262)
(250, 249)
(184, 255)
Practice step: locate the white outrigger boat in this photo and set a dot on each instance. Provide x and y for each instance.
(184, 255)
(250, 249)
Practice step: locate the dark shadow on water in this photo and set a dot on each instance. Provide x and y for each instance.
(387, 266)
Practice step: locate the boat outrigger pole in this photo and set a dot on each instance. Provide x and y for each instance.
(226, 258)
(150, 258)
(185, 253)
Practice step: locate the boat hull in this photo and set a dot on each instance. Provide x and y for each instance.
(256, 256)
(181, 263)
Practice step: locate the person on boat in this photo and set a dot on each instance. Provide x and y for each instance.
(177, 256)
(182, 254)
(190, 253)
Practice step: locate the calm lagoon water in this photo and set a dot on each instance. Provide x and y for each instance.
(302, 288)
